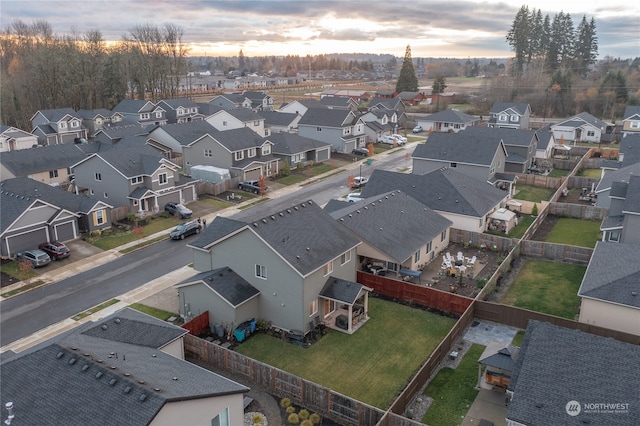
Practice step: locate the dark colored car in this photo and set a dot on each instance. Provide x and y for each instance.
(178, 209)
(250, 186)
(36, 257)
(55, 249)
(184, 230)
(360, 151)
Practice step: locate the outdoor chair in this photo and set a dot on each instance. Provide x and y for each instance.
(472, 261)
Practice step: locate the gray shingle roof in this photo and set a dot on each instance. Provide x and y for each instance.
(620, 175)
(504, 359)
(134, 106)
(580, 119)
(180, 102)
(613, 274)
(13, 205)
(341, 290)
(187, 133)
(57, 114)
(275, 118)
(243, 114)
(509, 137)
(238, 139)
(219, 228)
(557, 365)
(292, 143)
(441, 190)
(632, 199)
(134, 161)
(394, 223)
(225, 282)
(462, 147)
(499, 107)
(327, 117)
(452, 116)
(24, 162)
(631, 111)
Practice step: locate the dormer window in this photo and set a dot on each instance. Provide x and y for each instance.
(266, 150)
(75, 124)
(158, 114)
(180, 111)
(63, 125)
(239, 155)
(503, 117)
(514, 118)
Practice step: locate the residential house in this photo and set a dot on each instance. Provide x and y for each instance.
(544, 149)
(97, 119)
(229, 101)
(299, 259)
(300, 106)
(260, 101)
(171, 139)
(115, 134)
(628, 154)
(297, 150)
(465, 201)
(447, 121)
(57, 126)
(386, 93)
(395, 104)
(73, 214)
(236, 119)
(355, 95)
(241, 151)
(583, 127)
(141, 112)
(631, 121)
(135, 176)
(127, 368)
(378, 123)
(480, 156)
(396, 230)
(604, 188)
(277, 122)
(47, 164)
(622, 223)
(343, 129)
(411, 98)
(14, 139)
(566, 376)
(510, 115)
(340, 102)
(609, 289)
(521, 145)
(180, 110)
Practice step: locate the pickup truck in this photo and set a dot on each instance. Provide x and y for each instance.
(250, 186)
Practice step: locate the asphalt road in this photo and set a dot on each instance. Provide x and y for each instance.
(29, 312)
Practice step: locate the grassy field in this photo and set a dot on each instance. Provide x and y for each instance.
(533, 193)
(558, 173)
(547, 287)
(371, 365)
(453, 390)
(576, 232)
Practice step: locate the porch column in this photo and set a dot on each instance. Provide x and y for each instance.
(350, 326)
(140, 202)
(156, 208)
(366, 304)
(479, 375)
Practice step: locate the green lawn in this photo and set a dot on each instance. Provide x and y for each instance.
(518, 338)
(533, 193)
(593, 173)
(547, 287)
(558, 173)
(156, 224)
(518, 231)
(576, 232)
(291, 180)
(453, 390)
(373, 364)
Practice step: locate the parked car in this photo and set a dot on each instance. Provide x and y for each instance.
(178, 209)
(360, 151)
(354, 197)
(359, 181)
(400, 139)
(184, 230)
(36, 257)
(250, 186)
(55, 249)
(417, 129)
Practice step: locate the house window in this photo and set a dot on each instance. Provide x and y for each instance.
(256, 123)
(416, 257)
(180, 111)
(106, 195)
(252, 153)
(429, 247)
(208, 153)
(98, 217)
(261, 272)
(224, 123)
(266, 150)
(635, 125)
(328, 268)
(98, 176)
(591, 133)
(91, 192)
(313, 308)
(318, 129)
(239, 155)
(137, 179)
(63, 125)
(145, 116)
(221, 419)
(159, 114)
(162, 178)
(453, 165)
(443, 235)
(346, 257)
(296, 158)
(53, 174)
(514, 118)
(503, 117)
(75, 124)
(446, 125)
(614, 236)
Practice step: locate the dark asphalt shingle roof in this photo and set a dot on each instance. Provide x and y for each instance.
(631, 111)
(238, 139)
(557, 365)
(134, 161)
(579, 120)
(462, 147)
(514, 137)
(13, 205)
(24, 162)
(452, 116)
(441, 190)
(632, 199)
(56, 114)
(340, 290)
(620, 175)
(133, 106)
(225, 282)
(394, 223)
(292, 143)
(328, 117)
(504, 359)
(187, 133)
(275, 118)
(499, 107)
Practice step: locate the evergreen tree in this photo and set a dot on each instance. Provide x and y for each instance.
(439, 84)
(518, 38)
(407, 81)
(586, 46)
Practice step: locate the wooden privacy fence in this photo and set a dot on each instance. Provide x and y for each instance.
(198, 324)
(312, 396)
(476, 239)
(556, 252)
(582, 182)
(578, 211)
(538, 180)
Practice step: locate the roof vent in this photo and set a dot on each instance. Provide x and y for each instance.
(273, 217)
(255, 224)
(310, 202)
(142, 398)
(174, 379)
(303, 205)
(350, 215)
(367, 208)
(633, 293)
(342, 219)
(288, 210)
(59, 354)
(264, 220)
(281, 214)
(112, 382)
(308, 249)
(295, 207)
(85, 367)
(297, 257)
(72, 361)
(127, 389)
(401, 211)
(99, 374)
(104, 326)
(127, 374)
(539, 405)
(456, 201)
(381, 228)
(153, 355)
(117, 321)
(141, 382)
(157, 389)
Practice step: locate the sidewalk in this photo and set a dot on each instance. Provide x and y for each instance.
(151, 288)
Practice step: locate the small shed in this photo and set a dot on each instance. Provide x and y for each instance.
(498, 361)
(501, 220)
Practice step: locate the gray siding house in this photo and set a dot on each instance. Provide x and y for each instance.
(298, 150)
(448, 121)
(622, 223)
(521, 145)
(290, 257)
(57, 126)
(180, 110)
(510, 115)
(341, 128)
(12, 139)
(97, 119)
(583, 127)
(141, 112)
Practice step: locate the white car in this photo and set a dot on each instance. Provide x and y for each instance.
(401, 139)
(417, 129)
(354, 197)
(387, 139)
(359, 181)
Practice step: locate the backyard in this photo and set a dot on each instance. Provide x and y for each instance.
(575, 232)
(373, 364)
(547, 287)
(532, 193)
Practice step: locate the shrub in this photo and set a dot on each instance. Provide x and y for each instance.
(306, 422)
(481, 282)
(293, 419)
(285, 170)
(285, 402)
(257, 418)
(304, 414)
(131, 217)
(291, 409)
(315, 419)
(534, 210)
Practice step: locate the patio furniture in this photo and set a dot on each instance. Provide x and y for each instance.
(472, 261)
(460, 256)
(342, 321)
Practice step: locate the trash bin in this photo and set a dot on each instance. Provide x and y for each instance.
(369, 161)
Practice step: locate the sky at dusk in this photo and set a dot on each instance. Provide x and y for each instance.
(453, 29)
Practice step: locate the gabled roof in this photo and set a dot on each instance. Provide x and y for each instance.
(613, 274)
(24, 162)
(235, 98)
(580, 120)
(629, 150)
(118, 132)
(238, 139)
(303, 235)
(13, 206)
(503, 358)
(134, 106)
(452, 116)
(519, 109)
(408, 96)
(394, 223)
(307, 102)
(478, 147)
(54, 196)
(275, 118)
(131, 161)
(226, 283)
(14, 132)
(208, 109)
(509, 137)
(179, 102)
(620, 175)
(632, 112)
(292, 143)
(342, 291)
(94, 113)
(337, 101)
(187, 133)
(106, 372)
(388, 103)
(557, 365)
(56, 114)
(442, 190)
(328, 117)
(632, 197)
